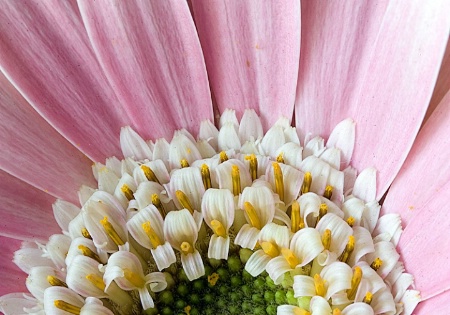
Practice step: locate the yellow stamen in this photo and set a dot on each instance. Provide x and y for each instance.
(306, 186)
(184, 163)
(127, 192)
(336, 311)
(356, 280)
(184, 201)
(290, 257)
(213, 278)
(328, 192)
(278, 177)
(148, 172)
(322, 211)
(109, 229)
(280, 158)
(223, 157)
(368, 298)
(376, 264)
(67, 307)
(218, 228)
(253, 165)
(348, 249)
(86, 234)
(270, 249)
(186, 248)
(351, 221)
(187, 310)
(157, 203)
(134, 278)
(301, 311)
(53, 281)
(96, 281)
(296, 219)
(326, 239)
(86, 251)
(252, 215)
(236, 179)
(206, 176)
(152, 236)
(319, 284)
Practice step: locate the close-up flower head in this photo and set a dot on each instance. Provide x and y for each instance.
(224, 157)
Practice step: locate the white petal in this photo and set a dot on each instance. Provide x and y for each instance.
(349, 179)
(159, 169)
(387, 253)
(133, 145)
(273, 140)
(223, 173)
(320, 306)
(275, 233)
(107, 179)
(193, 265)
(64, 212)
(189, 181)
(218, 204)
(145, 191)
(218, 247)
(57, 248)
(340, 231)
(306, 245)
(390, 224)
(85, 193)
(338, 275)
(206, 150)
(309, 208)
(164, 256)
(276, 268)
(357, 309)
(292, 179)
(228, 116)
(363, 245)
(383, 302)
(250, 128)
(148, 214)
(156, 281)
(161, 151)
(247, 237)
(228, 138)
(287, 309)
(314, 147)
(76, 277)
(410, 300)
(366, 185)
(262, 200)
(291, 153)
(37, 280)
(343, 138)
(182, 148)
(52, 294)
(146, 299)
(257, 263)
(370, 215)
(304, 286)
(27, 258)
(209, 133)
(332, 156)
(179, 227)
(95, 307)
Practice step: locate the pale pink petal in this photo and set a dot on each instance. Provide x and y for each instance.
(45, 52)
(436, 305)
(426, 170)
(152, 58)
(251, 54)
(26, 212)
(13, 279)
(424, 246)
(377, 63)
(36, 153)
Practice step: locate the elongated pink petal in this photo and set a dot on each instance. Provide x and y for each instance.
(252, 54)
(376, 62)
(435, 305)
(152, 57)
(13, 279)
(424, 246)
(26, 212)
(36, 153)
(426, 170)
(45, 52)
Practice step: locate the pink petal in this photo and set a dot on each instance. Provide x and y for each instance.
(424, 246)
(36, 153)
(46, 53)
(13, 279)
(376, 63)
(436, 305)
(26, 212)
(252, 54)
(152, 58)
(426, 170)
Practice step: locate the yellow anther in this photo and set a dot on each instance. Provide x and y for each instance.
(52, 280)
(134, 278)
(86, 251)
(348, 249)
(96, 281)
(278, 177)
(69, 308)
(328, 192)
(368, 298)
(356, 280)
(187, 310)
(296, 220)
(218, 228)
(206, 176)
(148, 172)
(270, 249)
(290, 257)
(127, 192)
(236, 179)
(152, 236)
(213, 278)
(301, 311)
(326, 239)
(86, 234)
(186, 248)
(322, 211)
(319, 284)
(252, 215)
(351, 221)
(184, 201)
(109, 229)
(307, 179)
(184, 163)
(376, 264)
(253, 166)
(336, 311)
(223, 157)
(280, 158)
(157, 203)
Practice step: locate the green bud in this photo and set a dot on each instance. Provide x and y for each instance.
(244, 254)
(259, 283)
(257, 298)
(199, 284)
(170, 281)
(166, 311)
(208, 298)
(304, 302)
(223, 274)
(182, 289)
(259, 310)
(215, 263)
(194, 311)
(180, 304)
(271, 310)
(246, 306)
(182, 276)
(233, 309)
(246, 290)
(270, 283)
(236, 281)
(166, 297)
(290, 297)
(194, 298)
(222, 303)
(234, 264)
(280, 297)
(208, 270)
(269, 296)
(234, 296)
(151, 311)
(223, 290)
(247, 276)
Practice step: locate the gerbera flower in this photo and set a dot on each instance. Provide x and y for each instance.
(151, 228)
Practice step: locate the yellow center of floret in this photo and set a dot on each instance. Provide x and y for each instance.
(67, 307)
(86, 234)
(109, 229)
(350, 221)
(152, 236)
(184, 163)
(290, 257)
(319, 284)
(134, 278)
(252, 215)
(157, 203)
(223, 157)
(184, 201)
(148, 172)
(326, 239)
(368, 298)
(236, 180)
(127, 192)
(306, 186)
(253, 161)
(270, 249)
(280, 158)
(218, 228)
(278, 178)
(53, 281)
(328, 192)
(376, 264)
(348, 249)
(356, 280)
(300, 311)
(296, 219)
(96, 281)
(323, 210)
(86, 251)
(206, 176)
(186, 248)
